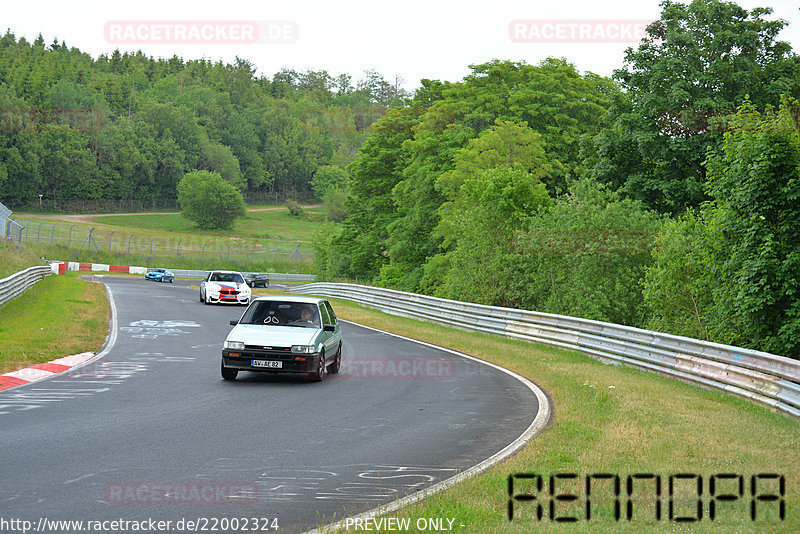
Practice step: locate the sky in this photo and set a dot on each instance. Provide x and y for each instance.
(412, 39)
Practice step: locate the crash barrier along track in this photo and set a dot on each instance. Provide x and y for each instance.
(15, 285)
(759, 376)
(179, 273)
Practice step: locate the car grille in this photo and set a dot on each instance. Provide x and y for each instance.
(275, 353)
(228, 291)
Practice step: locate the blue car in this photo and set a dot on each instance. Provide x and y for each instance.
(159, 275)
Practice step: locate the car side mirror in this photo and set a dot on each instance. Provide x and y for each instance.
(234, 322)
(328, 328)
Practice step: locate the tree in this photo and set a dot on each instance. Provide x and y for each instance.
(695, 66)
(209, 201)
(677, 286)
(494, 189)
(552, 99)
(754, 222)
(359, 249)
(478, 227)
(585, 256)
(329, 177)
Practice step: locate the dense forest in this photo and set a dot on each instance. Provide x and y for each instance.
(665, 197)
(124, 127)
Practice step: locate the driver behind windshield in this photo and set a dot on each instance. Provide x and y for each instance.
(309, 318)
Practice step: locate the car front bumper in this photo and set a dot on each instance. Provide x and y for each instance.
(290, 363)
(237, 299)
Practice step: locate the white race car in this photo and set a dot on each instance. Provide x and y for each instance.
(224, 286)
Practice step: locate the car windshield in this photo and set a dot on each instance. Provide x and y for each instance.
(227, 277)
(281, 313)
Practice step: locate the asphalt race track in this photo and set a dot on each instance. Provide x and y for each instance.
(151, 431)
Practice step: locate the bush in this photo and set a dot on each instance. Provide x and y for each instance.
(585, 256)
(209, 201)
(677, 290)
(295, 209)
(329, 177)
(754, 231)
(335, 204)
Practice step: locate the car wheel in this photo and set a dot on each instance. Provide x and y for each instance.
(171, 280)
(319, 374)
(337, 362)
(227, 372)
(201, 296)
(207, 300)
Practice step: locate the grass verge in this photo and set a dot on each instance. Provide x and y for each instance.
(15, 258)
(236, 262)
(619, 421)
(59, 316)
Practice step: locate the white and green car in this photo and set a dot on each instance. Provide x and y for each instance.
(284, 334)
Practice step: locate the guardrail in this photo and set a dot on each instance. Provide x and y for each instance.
(761, 377)
(13, 286)
(180, 273)
(273, 277)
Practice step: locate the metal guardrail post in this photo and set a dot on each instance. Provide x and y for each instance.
(69, 240)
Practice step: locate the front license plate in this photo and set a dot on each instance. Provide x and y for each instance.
(266, 363)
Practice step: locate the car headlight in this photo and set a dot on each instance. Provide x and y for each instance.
(303, 349)
(235, 345)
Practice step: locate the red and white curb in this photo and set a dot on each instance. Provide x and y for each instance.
(41, 371)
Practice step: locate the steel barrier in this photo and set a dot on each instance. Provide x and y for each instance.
(273, 277)
(764, 378)
(13, 286)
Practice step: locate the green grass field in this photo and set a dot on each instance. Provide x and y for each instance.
(269, 226)
(260, 241)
